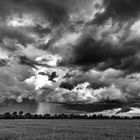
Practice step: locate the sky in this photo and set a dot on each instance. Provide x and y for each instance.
(81, 53)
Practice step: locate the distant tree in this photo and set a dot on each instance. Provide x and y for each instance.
(15, 115)
(20, 114)
(40, 116)
(28, 116)
(35, 116)
(7, 115)
(47, 116)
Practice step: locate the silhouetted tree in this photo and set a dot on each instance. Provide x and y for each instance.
(14, 115)
(28, 116)
(20, 115)
(47, 116)
(7, 115)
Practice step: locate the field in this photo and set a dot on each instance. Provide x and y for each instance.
(69, 129)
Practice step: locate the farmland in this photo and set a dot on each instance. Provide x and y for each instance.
(69, 129)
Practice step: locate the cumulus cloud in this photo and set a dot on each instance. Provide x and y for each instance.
(11, 88)
(76, 86)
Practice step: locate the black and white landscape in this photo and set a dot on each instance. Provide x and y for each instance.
(69, 69)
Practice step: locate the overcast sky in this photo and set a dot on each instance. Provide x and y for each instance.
(70, 51)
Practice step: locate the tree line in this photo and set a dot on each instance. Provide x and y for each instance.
(21, 115)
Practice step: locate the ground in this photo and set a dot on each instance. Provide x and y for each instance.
(69, 129)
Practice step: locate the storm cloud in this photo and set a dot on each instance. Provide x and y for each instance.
(119, 10)
(90, 51)
(70, 52)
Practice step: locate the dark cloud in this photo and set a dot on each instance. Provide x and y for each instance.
(93, 107)
(119, 10)
(3, 62)
(21, 36)
(102, 55)
(5, 9)
(41, 30)
(52, 10)
(42, 73)
(27, 61)
(56, 11)
(67, 85)
(52, 76)
(124, 109)
(24, 60)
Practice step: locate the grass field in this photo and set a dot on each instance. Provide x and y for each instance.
(69, 129)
